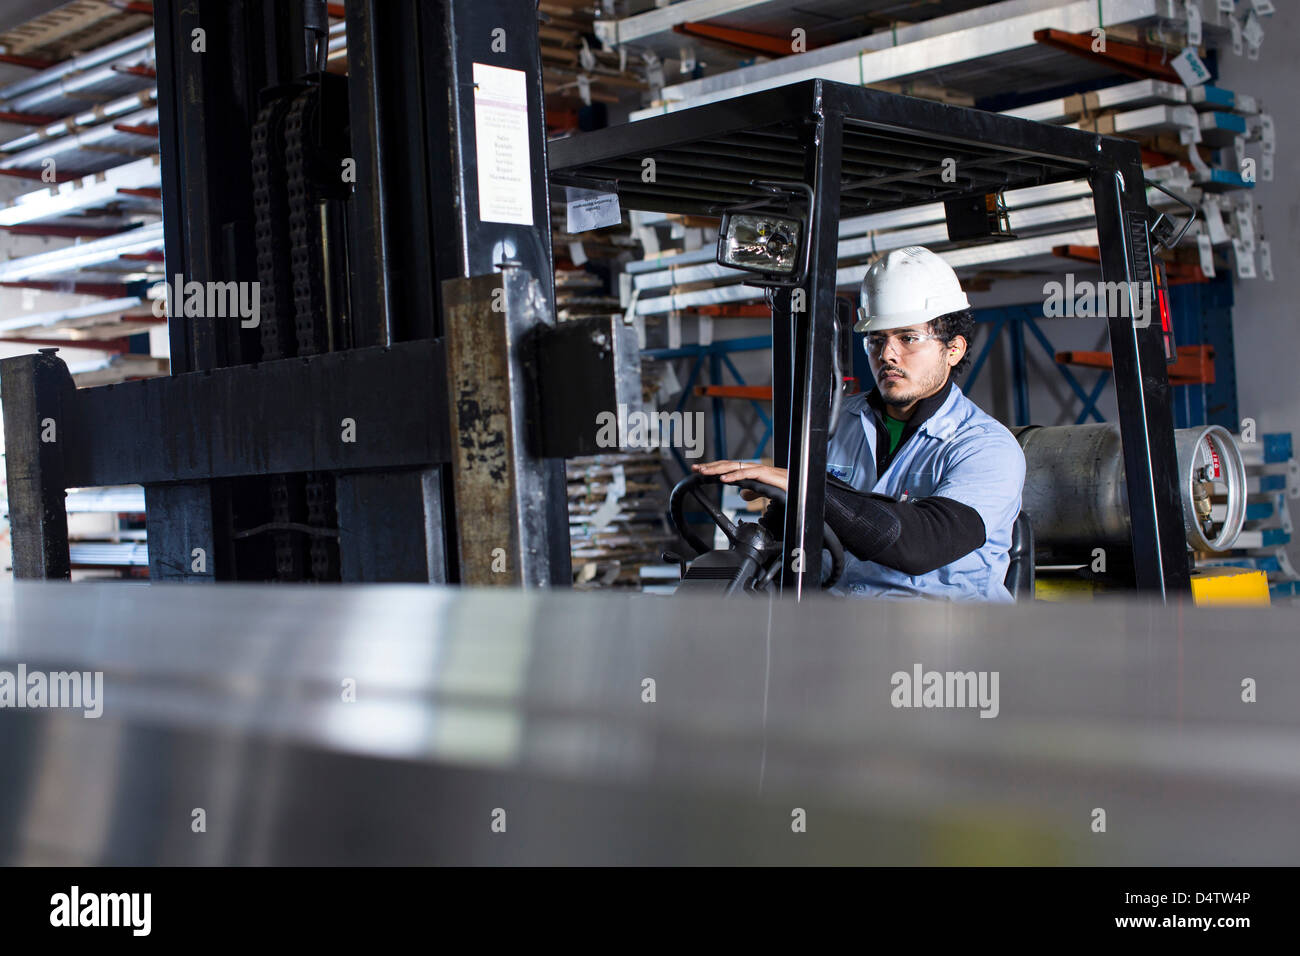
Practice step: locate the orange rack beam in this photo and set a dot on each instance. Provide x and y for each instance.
(733, 311)
(1195, 365)
(746, 40)
(761, 393)
(1178, 273)
(1139, 60)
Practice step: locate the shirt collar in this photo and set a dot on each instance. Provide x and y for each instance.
(925, 408)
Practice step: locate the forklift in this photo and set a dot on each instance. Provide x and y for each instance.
(404, 409)
(780, 169)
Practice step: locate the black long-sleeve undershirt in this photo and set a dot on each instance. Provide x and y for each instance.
(915, 537)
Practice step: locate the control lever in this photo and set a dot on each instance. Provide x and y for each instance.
(674, 556)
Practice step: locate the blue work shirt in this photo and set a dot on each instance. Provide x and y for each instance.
(959, 453)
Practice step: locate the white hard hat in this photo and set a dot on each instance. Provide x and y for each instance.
(908, 286)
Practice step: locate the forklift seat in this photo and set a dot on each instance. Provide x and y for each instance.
(1020, 573)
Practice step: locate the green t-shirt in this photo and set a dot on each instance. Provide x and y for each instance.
(895, 428)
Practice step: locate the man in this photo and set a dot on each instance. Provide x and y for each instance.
(923, 487)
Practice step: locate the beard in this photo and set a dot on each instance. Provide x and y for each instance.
(912, 387)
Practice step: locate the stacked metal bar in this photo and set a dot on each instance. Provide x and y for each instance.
(580, 74)
(106, 535)
(89, 226)
(1212, 145)
(1208, 143)
(617, 523)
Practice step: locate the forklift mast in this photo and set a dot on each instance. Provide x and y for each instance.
(377, 417)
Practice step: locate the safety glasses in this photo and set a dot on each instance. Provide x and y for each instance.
(907, 342)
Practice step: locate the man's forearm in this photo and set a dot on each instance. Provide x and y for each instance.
(934, 532)
(914, 537)
(862, 522)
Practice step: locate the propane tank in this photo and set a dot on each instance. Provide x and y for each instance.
(1076, 496)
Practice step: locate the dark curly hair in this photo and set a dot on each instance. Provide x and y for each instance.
(949, 326)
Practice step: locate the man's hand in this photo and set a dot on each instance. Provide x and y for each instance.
(730, 471)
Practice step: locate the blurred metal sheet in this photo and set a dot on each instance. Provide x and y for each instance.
(467, 703)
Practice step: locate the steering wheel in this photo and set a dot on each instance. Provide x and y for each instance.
(690, 485)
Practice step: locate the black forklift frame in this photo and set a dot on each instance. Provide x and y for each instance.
(416, 250)
(861, 150)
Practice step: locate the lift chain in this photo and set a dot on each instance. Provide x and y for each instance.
(305, 248)
(288, 544)
(290, 267)
(271, 233)
(311, 323)
(270, 217)
(321, 513)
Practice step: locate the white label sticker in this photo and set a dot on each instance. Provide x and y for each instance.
(669, 384)
(1193, 8)
(1264, 7)
(584, 89)
(505, 185)
(1206, 252)
(1252, 52)
(1189, 67)
(590, 209)
(1253, 30)
(609, 510)
(1266, 167)
(706, 330)
(1267, 133)
(1238, 45)
(649, 240)
(577, 253)
(586, 58)
(1214, 220)
(687, 56)
(1266, 261)
(1227, 6)
(654, 74)
(1245, 261)
(674, 330)
(1246, 228)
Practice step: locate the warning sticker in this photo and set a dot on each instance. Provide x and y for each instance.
(505, 187)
